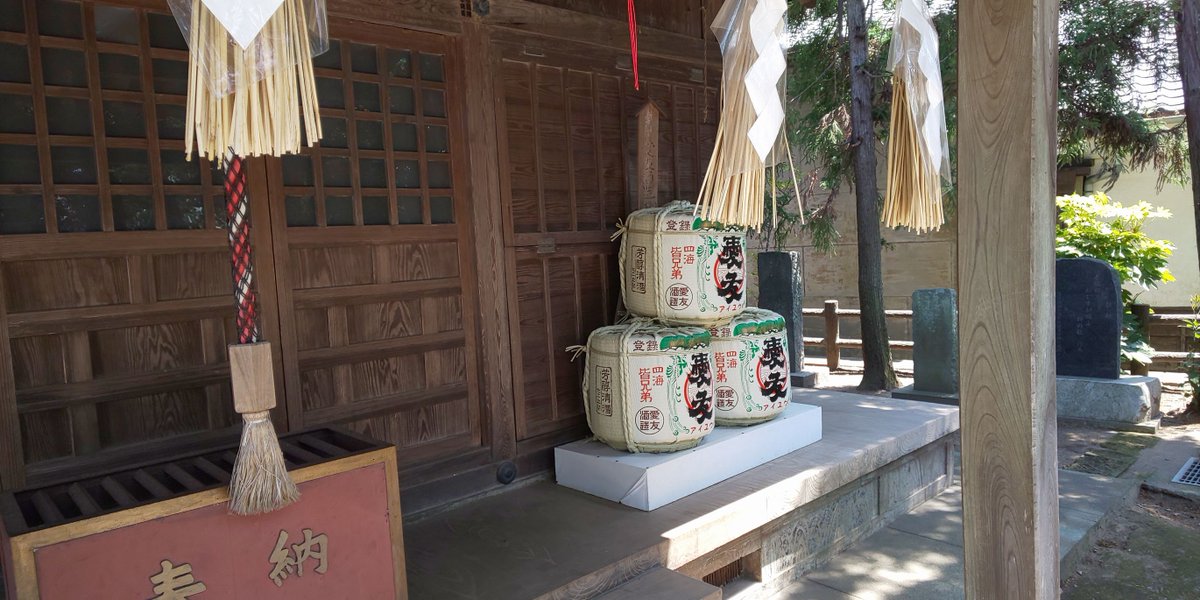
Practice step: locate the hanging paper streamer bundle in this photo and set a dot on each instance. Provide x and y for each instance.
(918, 152)
(250, 83)
(250, 75)
(750, 33)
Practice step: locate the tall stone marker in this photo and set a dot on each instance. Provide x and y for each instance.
(935, 347)
(781, 290)
(1087, 318)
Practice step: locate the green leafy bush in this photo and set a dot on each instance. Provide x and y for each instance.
(1192, 363)
(1098, 227)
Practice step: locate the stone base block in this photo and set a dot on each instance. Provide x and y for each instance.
(1129, 399)
(648, 481)
(908, 392)
(805, 379)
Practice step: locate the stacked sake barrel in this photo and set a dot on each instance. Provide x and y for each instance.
(692, 356)
(649, 386)
(752, 378)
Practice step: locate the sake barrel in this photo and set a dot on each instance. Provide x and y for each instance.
(679, 268)
(649, 386)
(751, 376)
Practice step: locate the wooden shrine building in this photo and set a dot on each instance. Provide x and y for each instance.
(422, 270)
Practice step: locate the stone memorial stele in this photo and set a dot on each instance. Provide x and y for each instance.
(935, 340)
(780, 291)
(935, 347)
(1087, 318)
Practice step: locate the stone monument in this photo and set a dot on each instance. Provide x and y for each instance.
(1088, 315)
(780, 290)
(935, 347)
(1087, 318)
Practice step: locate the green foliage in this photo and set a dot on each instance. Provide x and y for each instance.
(780, 215)
(1192, 365)
(782, 218)
(1098, 227)
(1100, 42)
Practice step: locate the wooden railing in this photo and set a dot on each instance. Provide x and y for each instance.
(833, 342)
(1165, 360)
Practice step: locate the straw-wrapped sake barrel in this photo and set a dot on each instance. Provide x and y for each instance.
(678, 268)
(751, 375)
(649, 386)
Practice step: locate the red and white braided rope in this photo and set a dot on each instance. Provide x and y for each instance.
(237, 207)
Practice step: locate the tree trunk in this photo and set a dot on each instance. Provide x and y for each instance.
(877, 357)
(1187, 35)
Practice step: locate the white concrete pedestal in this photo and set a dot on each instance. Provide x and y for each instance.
(648, 481)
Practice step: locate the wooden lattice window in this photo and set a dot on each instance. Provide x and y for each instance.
(385, 156)
(91, 134)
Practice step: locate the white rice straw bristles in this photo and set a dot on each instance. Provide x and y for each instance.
(914, 190)
(734, 186)
(259, 115)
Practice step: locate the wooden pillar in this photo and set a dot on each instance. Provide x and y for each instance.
(487, 221)
(1007, 82)
(12, 455)
(647, 155)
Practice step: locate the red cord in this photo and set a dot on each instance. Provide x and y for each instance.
(633, 51)
(237, 206)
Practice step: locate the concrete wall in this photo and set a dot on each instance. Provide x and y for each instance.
(910, 262)
(1180, 230)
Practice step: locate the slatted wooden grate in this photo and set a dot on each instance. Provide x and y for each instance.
(38, 508)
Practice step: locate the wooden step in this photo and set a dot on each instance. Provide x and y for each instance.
(662, 584)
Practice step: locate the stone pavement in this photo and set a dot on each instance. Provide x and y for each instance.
(920, 555)
(1159, 464)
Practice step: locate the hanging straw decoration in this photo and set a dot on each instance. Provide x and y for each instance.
(245, 98)
(734, 188)
(914, 189)
(918, 156)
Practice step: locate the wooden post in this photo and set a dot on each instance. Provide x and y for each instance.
(487, 219)
(1007, 82)
(1141, 313)
(833, 331)
(647, 155)
(12, 457)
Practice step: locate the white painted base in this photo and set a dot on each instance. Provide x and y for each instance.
(648, 481)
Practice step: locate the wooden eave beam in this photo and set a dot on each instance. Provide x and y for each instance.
(532, 18)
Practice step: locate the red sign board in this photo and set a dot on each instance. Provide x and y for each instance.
(335, 542)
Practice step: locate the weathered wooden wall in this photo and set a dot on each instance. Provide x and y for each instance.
(420, 271)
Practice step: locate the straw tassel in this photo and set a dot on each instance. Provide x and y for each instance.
(260, 481)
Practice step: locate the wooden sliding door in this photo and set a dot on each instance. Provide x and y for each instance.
(374, 254)
(567, 124)
(114, 269)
